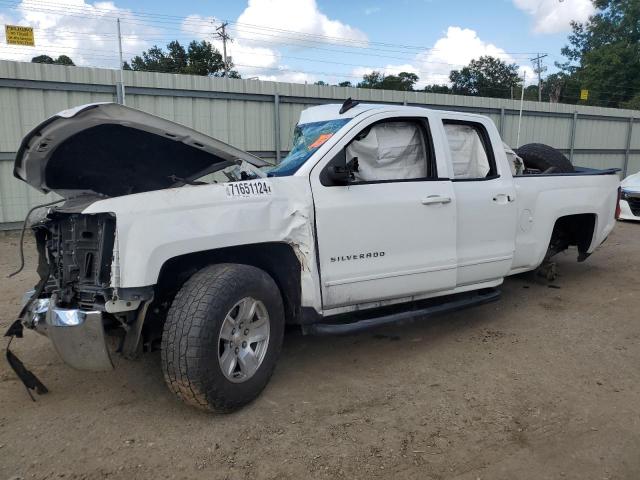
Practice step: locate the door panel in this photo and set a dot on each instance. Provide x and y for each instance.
(385, 240)
(486, 208)
(486, 218)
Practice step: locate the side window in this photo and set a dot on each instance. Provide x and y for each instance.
(392, 150)
(471, 153)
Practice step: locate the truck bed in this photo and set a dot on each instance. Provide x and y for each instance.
(544, 198)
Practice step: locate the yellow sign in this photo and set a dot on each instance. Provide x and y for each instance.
(17, 35)
(584, 94)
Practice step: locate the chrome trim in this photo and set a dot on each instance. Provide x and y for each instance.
(78, 337)
(61, 317)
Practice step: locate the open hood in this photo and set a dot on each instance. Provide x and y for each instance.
(114, 150)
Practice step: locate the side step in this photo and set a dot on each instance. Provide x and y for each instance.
(451, 304)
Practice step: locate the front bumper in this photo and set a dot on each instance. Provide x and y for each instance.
(626, 212)
(77, 335)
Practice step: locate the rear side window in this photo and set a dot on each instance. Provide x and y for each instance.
(471, 154)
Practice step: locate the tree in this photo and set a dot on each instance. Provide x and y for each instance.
(64, 60)
(203, 59)
(488, 77)
(403, 81)
(634, 103)
(61, 60)
(345, 84)
(42, 59)
(603, 54)
(200, 58)
(321, 83)
(437, 88)
(560, 87)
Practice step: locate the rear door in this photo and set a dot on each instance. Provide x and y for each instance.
(486, 209)
(391, 232)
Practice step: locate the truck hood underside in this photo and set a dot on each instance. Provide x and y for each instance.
(114, 150)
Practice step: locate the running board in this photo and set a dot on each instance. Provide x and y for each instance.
(403, 316)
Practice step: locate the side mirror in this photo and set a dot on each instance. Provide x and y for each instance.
(340, 172)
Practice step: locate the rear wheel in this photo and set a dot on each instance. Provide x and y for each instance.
(222, 337)
(542, 157)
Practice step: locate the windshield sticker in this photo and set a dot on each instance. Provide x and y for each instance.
(258, 188)
(321, 139)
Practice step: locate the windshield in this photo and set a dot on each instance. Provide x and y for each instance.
(307, 138)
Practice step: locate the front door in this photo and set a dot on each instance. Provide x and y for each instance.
(391, 232)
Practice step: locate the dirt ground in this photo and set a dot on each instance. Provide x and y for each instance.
(543, 384)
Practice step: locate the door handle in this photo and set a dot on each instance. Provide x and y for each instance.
(503, 198)
(433, 199)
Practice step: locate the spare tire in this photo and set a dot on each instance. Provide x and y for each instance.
(542, 157)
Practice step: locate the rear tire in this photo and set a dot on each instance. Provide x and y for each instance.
(542, 157)
(198, 341)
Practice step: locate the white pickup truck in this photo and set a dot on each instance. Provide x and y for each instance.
(379, 213)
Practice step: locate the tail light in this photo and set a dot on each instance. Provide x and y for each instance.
(618, 203)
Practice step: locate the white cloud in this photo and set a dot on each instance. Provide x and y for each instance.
(83, 31)
(371, 10)
(453, 51)
(265, 26)
(250, 60)
(389, 69)
(553, 16)
(276, 19)
(456, 49)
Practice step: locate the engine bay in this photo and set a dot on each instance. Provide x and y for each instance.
(78, 250)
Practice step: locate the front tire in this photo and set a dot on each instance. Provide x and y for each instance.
(222, 337)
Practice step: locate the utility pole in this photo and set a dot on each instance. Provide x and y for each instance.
(538, 68)
(120, 88)
(221, 32)
(524, 81)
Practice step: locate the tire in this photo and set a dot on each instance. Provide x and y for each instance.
(542, 157)
(197, 337)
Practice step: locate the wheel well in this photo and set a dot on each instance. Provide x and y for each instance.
(572, 230)
(277, 259)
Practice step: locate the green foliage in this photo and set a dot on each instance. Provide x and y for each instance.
(42, 59)
(200, 58)
(403, 81)
(561, 88)
(437, 89)
(487, 77)
(61, 60)
(603, 54)
(633, 103)
(345, 84)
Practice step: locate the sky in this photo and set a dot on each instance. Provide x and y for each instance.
(306, 40)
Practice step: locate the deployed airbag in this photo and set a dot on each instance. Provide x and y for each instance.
(468, 155)
(390, 151)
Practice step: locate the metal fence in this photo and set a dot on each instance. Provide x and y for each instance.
(259, 116)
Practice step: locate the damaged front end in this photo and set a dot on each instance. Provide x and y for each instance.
(76, 302)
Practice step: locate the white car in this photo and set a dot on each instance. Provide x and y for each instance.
(630, 198)
(379, 213)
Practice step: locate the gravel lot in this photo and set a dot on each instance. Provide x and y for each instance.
(543, 384)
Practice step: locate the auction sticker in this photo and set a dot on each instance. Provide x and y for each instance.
(254, 188)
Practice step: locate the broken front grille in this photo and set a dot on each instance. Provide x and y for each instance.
(80, 250)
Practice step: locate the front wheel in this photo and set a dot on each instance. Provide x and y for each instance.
(222, 337)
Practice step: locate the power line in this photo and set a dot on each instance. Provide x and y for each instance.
(140, 18)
